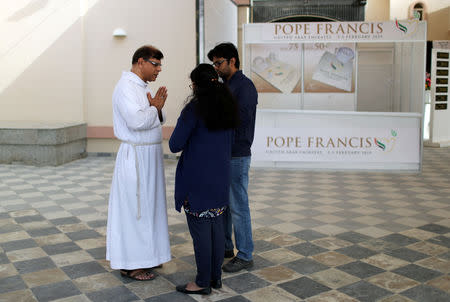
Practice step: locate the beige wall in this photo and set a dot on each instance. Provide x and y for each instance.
(41, 61)
(438, 17)
(377, 10)
(167, 24)
(439, 24)
(60, 61)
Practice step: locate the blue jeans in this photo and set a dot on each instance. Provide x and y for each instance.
(237, 214)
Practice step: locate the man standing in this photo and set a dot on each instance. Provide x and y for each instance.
(137, 231)
(225, 60)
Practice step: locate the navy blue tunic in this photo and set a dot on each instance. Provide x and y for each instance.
(203, 171)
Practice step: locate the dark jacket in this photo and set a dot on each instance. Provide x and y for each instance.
(245, 93)
(203, 170)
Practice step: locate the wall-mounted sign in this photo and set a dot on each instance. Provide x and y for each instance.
(442, 55)
(441, 98)
(441, 44)
(441, 81)
(440, 74)
(337, 144)
(405, 30)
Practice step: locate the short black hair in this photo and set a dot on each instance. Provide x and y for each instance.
(146, 52)
(226, 51)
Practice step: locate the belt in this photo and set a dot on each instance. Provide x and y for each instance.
(136, 165)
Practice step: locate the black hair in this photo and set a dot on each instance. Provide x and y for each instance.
(213, 101)
(226, 51)
(147, 52)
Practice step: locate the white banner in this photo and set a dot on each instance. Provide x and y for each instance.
(405, 30)
(399, 145)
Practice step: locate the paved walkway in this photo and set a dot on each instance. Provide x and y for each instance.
(319, 236)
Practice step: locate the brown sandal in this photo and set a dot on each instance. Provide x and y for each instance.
(138, 274)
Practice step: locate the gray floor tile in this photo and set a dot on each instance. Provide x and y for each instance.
(353, 237)
(117, 294)
(65, 220)
(4, 215)
(11, 227)
(81, 211)
(244, 283)
(34, 265)
(426, 294)
(84, 234)
(235, 299)
(50, 209)
(307, 249)
(262, 246)
(399, 239)
(304, 287)
(308, 235)
(179, 278)
(417, 272)
(306, 266)
(176, 240)
(18, 245)
(97, 223)
(435, 228)
(55, 291)
(307, 223)
(171, 297)
(258, 263)
(406, 254)
(441, 240)
(178, 228)
(17, 207)
(10, 284)
(43, 232)
(356, 251)
(83, 269)
(445, 256)
(60, 248)
(360, 269)
(98, 253)
(268, 220)
(364, 291)
(25, 219)
(3, 258)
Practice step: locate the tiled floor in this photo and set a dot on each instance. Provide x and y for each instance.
(319, 236)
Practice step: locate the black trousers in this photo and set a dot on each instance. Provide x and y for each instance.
(208, 235)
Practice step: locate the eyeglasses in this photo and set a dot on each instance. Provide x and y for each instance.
(191, 86)
(153, 63)
(218, 63)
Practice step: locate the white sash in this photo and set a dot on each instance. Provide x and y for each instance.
(136, 164)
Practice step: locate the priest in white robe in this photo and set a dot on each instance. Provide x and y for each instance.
(137, 232)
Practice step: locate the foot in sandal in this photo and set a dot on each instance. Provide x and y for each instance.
(138, 274)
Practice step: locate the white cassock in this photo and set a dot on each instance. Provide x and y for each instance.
(137, 231)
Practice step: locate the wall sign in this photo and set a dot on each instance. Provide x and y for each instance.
(440, 69)
(337, 144)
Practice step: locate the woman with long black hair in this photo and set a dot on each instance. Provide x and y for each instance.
(204, 134)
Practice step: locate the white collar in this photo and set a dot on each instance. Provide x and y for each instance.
(134, 78)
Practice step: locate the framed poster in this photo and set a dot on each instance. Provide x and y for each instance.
(329, 67)
(276, 68)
